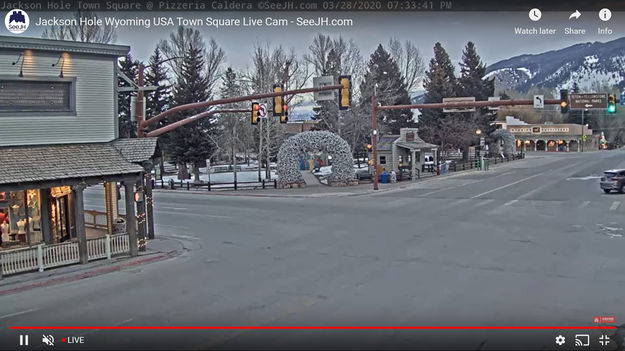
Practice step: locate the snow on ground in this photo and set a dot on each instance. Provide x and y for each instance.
(226, 177)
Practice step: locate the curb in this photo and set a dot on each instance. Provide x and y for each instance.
(87, 274)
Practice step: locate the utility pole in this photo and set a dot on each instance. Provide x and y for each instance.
(260, 147)
(374, 139)
(583, 131)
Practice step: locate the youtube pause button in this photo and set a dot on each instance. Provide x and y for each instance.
(23, 340)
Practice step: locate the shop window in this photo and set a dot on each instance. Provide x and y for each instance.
(36, 96)
(382, 160)
(20, 218)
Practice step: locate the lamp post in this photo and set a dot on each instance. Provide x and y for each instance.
(374, 138)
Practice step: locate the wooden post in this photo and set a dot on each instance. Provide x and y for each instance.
(141, 225)
(131, 219)
(79, 221)
(149, 206)
(45, 215)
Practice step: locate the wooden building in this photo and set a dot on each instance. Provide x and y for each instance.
(58, 136)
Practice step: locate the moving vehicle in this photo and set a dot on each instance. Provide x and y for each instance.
(613, 179)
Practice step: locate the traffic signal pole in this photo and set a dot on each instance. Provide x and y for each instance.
(374, 141)
(193, 118)
(206, 104)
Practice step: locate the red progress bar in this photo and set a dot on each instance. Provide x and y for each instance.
(317, 327)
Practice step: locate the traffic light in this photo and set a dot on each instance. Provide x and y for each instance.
(285, 116)
(369, 147)
(611, 103)
(564, 101)
(345, 93)
(278, 101)
(255, 112)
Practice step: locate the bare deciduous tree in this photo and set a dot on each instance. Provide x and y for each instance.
(410, 62)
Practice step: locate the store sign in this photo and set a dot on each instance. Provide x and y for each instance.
(539, 130)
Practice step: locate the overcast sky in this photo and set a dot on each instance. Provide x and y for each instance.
(492, 32)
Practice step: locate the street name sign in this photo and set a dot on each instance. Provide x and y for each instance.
(589, 101)
(539, 101)
(320, 82)
(459, 100)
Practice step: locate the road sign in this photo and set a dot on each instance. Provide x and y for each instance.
(589, 101)
(262, 112)
(459, 100)
(539, 101)
(494, 98)
(324, 81)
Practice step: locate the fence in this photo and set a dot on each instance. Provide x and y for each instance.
(44, 256)
(209, 186)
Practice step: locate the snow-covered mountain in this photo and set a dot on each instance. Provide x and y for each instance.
(590, 65)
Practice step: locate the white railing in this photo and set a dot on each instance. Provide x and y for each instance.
(120, 243)
(19, 260)
(43, 256)
(99, 248)
(58, 254)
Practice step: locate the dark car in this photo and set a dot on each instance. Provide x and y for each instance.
(613, 179)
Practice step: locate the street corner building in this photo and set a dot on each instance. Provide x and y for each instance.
(58, 137)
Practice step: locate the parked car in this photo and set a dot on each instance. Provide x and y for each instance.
(613, 179)
(363, 173)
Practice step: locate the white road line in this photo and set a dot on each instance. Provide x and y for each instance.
(584, 204)
(18, 313)
(615, 205)
(510, 202)
(485, 202)
(507, 185)
(172, 208)
(434, 192)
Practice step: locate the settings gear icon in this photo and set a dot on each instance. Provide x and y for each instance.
(560, 340)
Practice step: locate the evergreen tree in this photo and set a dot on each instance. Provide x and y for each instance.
(157, 101)
(192, 142)
(391, 90)
(472, 83)
(127, 128)
(440, 82)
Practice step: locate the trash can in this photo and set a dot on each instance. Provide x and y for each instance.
(120, 226)
(384, 177)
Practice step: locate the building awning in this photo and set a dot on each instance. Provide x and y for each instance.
(22, 165)
(415, 145)
(137, 150)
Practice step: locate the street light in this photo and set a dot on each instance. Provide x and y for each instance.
(478, 132)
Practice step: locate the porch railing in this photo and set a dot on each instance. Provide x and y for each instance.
(97, 219)
(44, 256)
(58, 254)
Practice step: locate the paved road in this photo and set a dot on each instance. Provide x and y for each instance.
(533, 242)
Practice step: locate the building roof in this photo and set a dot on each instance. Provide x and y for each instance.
(386, 142)
(415, 145)
(28, 164)
(136, 149)
(11, 42)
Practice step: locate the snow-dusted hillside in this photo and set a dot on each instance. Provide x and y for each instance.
(590, 65)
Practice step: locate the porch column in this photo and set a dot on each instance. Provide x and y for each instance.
(578, 142)
(149, 205)
(535, 142)
(141, 234)
(413, 158)
(131, 219)
(45, 215)
(79, 219)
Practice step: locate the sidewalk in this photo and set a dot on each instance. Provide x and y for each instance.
(158, 249)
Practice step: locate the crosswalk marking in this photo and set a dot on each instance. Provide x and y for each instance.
(615, 205)
(584, 204)
(510, 202)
